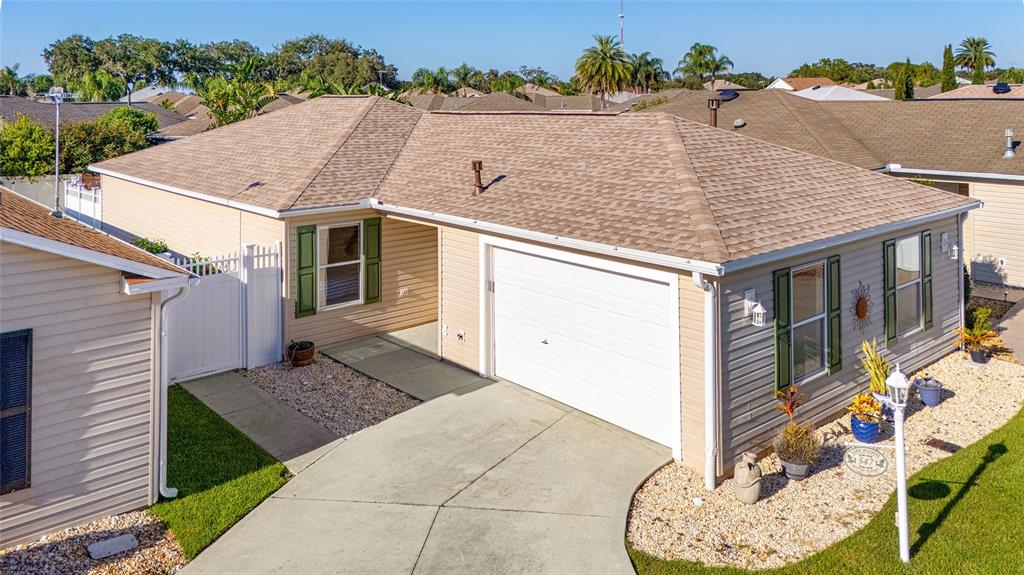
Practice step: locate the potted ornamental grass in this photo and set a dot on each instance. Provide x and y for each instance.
(797, 446)
(865, 417)
(977, 336)
(877, 368)
(929, 389)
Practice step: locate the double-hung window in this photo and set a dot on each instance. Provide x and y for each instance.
(808, 320)
(908, 285)
(340, 264)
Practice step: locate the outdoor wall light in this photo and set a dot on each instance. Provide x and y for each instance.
(758, 315)
(954, 253)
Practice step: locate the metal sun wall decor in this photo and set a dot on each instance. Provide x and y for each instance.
(861, 307)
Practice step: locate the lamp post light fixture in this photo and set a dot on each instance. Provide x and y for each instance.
(899, 391)
(56, 95)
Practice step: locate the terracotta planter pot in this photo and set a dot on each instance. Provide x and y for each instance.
(301, 353)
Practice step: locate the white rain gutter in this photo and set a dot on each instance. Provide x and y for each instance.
(165, 491)
(960, 266)
(898, 169)
(710, 381)
(651, 258)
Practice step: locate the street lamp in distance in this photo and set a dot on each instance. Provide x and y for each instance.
(56, 95)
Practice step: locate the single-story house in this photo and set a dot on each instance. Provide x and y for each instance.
(996, 91)
(793, 83)
(493, 102)
(956, 145)
(80, 394)
(44, 113)
(833, 93)
(610, 261)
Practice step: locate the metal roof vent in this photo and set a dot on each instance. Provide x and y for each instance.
(1001, 88)
(726, 95)
(739, 123)
(1009, 154)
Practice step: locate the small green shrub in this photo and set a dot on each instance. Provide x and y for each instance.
(645, 103)
(151, 246)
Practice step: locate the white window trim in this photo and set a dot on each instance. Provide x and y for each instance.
(823, 317)
(920, 284)
(361, 261)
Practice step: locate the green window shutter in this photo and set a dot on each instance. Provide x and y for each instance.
(926, 277)
(15, 410)
(835, 327)
(305, 271)
(371, 263)
(889, 289)
(783, 331)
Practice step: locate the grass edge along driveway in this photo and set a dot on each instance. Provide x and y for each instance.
(966, 515)
(220, 474)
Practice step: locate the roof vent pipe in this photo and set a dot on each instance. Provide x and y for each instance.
(1008, 154)
(713, 104)
(478, 186)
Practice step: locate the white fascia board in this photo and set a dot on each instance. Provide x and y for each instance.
(363, 204)
(158, 285)
(87, 255)
(650, 258)
(898, 169)
(843, 239)
(206, 198)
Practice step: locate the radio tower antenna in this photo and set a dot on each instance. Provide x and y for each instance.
(622, 25)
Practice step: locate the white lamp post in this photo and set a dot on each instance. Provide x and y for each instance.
(56, 95)
(899, 391)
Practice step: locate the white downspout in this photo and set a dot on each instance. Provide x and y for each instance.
(165, 491)
(960, 263)
(710, 382)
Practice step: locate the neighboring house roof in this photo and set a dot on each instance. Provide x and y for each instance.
(73, 112)
(835, 93)
(20, 216)
(794, 83)
(980, 91)
(530, 89)
(920, 92)
(467, 92)
(583, 102)
(493, 102)
(723, 84)
(950, 135)
(649, 182)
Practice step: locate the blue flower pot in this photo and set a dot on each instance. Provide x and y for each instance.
(930, 392)
(864, 431)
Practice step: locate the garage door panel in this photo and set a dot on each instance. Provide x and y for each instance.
(608, 334)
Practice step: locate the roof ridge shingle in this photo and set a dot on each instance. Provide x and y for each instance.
(702, 217)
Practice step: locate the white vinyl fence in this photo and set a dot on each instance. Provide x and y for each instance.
(232, 319)
(83, 203)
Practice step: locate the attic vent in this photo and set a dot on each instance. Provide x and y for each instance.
(1001, 88)
(739, 123)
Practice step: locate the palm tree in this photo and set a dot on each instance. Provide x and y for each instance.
(508, 82)
(703, 61)
(10, 82)
(975, 54)
(647, 72)
(434, 82)
(463, 75)
(98, 86)
(603, 68)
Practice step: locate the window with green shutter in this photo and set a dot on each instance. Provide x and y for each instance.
(907, 285)
(807, 321)
(305, 271)
(889, 289)
(15, 409)
(371, 255)
(835, 327)
(926, 278)
(783, 334)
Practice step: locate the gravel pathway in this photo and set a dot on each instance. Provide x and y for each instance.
(334, 395)
(665, 520)
(64, 552)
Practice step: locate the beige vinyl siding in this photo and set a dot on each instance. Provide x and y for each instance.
(408, 262)
(691, 371)
(187, 225)
(997, 231)
(460, 297)
(749, 416)
(91, 451)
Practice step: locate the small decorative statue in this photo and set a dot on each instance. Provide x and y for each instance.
(747, 479)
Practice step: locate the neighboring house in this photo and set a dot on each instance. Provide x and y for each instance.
(957, 145)
(835, 93)
(604, 260)
(467, 92)
(44, 113)
(920, 92)
(793, 84)
(987, 91)
(722, 84)
(79, 349)
(532, 90)
(198, 118)
(580, 103)
(493, 102)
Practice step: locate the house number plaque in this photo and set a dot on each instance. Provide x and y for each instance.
(865, 461)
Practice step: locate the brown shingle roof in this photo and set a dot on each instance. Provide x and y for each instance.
(802, 83)
(979, 91)
(23, 215)
(952, 135)
(73, 112)
(650, 182)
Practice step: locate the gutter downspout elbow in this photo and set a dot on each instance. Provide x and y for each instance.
(710, 382)
(165, 491)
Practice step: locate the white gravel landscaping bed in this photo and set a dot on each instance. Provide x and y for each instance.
(831, 504)
(334, 395)
(64, 552)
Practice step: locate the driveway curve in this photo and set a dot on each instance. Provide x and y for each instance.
(491, 479)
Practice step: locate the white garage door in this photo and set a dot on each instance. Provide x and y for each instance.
(599, 341)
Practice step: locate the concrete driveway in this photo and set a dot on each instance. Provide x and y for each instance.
(489, 479)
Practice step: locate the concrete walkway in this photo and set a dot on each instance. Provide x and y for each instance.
(490, 479)
(291, 437)
(1011, 329)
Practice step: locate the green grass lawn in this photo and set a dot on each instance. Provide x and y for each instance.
(966, 516)
(220, 473)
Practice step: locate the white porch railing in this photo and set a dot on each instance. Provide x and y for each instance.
(83, 203)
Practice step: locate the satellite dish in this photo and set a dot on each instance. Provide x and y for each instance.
(726, 95)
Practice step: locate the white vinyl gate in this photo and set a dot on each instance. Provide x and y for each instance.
(231, 319)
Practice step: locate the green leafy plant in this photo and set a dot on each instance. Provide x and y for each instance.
(645, 103)
(865, 408)
(798, 444)
(790, 400)
(151, 246)
(876, 366)
(977, 334)
(205, 268)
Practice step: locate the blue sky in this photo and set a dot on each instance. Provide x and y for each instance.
(769, 37)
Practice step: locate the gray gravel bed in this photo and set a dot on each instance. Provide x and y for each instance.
(332, 394)
(796, 519)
